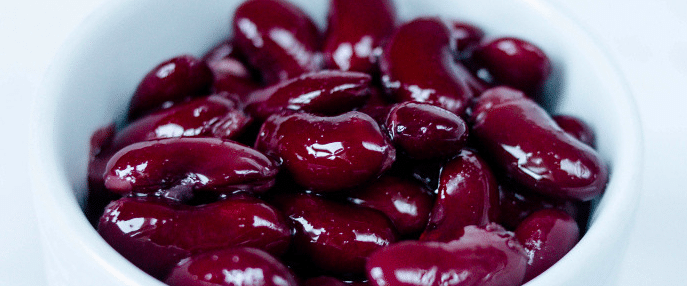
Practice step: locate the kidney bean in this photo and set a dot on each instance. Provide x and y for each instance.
(417, 65)
(154, 234)
(189, 164)
(230, 73)
(524, 142)
(468, 195)
(465, 35)
(355, 29)
(322, 92)
(213, 116)
(335, 237)
(487, 256)
(327, 153)
(577, 128)
(547, 236)
(425, 131)
(277, 38)
(172, 81)
(514, 62)
(231, 267)
(405, 202)
(517, 204)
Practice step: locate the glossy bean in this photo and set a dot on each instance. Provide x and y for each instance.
(514, 62)
(418, 65)
(355, 30)
(405, 202)
(187, 164)
(523, 141)
(465, 35)
(172, 81)
(424, 131)
(154, 234)
(277, 38)
(322, 92)
(327, 154)
(468, 195)
(230, 267)
(335, 237)
(547, 236)
(487, 256)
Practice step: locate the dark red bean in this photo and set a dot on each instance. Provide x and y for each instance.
(425, 131)
(155, 234)
(517, 204)
(577, 128)
(406, 202)
(524, 142)
(514, 62)
(327, 153)
(213, 116)
(231, 74)
(189, 164)
(481, 257)
(468, 195)
(277, 38)
(231, 267)
(418, 65)
(355, 29)
(335, 237)
(322, 92)
(172, 81)
(547, 236)
(465, 35)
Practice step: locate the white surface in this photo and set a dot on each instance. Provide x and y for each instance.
(647, 39)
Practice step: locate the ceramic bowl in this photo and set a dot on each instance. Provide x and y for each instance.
(93, 76)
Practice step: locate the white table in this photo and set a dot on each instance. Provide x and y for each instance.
(648, 39)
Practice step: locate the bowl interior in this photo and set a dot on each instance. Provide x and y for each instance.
(92, 79)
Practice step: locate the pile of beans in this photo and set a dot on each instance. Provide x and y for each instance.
(377, 152)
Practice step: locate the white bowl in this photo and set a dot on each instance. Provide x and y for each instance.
(92, 78)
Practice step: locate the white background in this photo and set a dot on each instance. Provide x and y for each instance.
(648, 40)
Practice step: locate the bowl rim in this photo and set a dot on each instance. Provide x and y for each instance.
(48, 174)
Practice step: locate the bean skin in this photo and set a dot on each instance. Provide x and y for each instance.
(424, 131)
(355, 30)
(335, 237)
(326, 154)
(323, 92)
(231, 267)
(547, 236)
(277, 38)
(154, 234)
(468, 195)
(488, 256)
(524, 142)
(514, 62)
(172, 81)
(209, 164)
(418, 65)
(405, 202)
